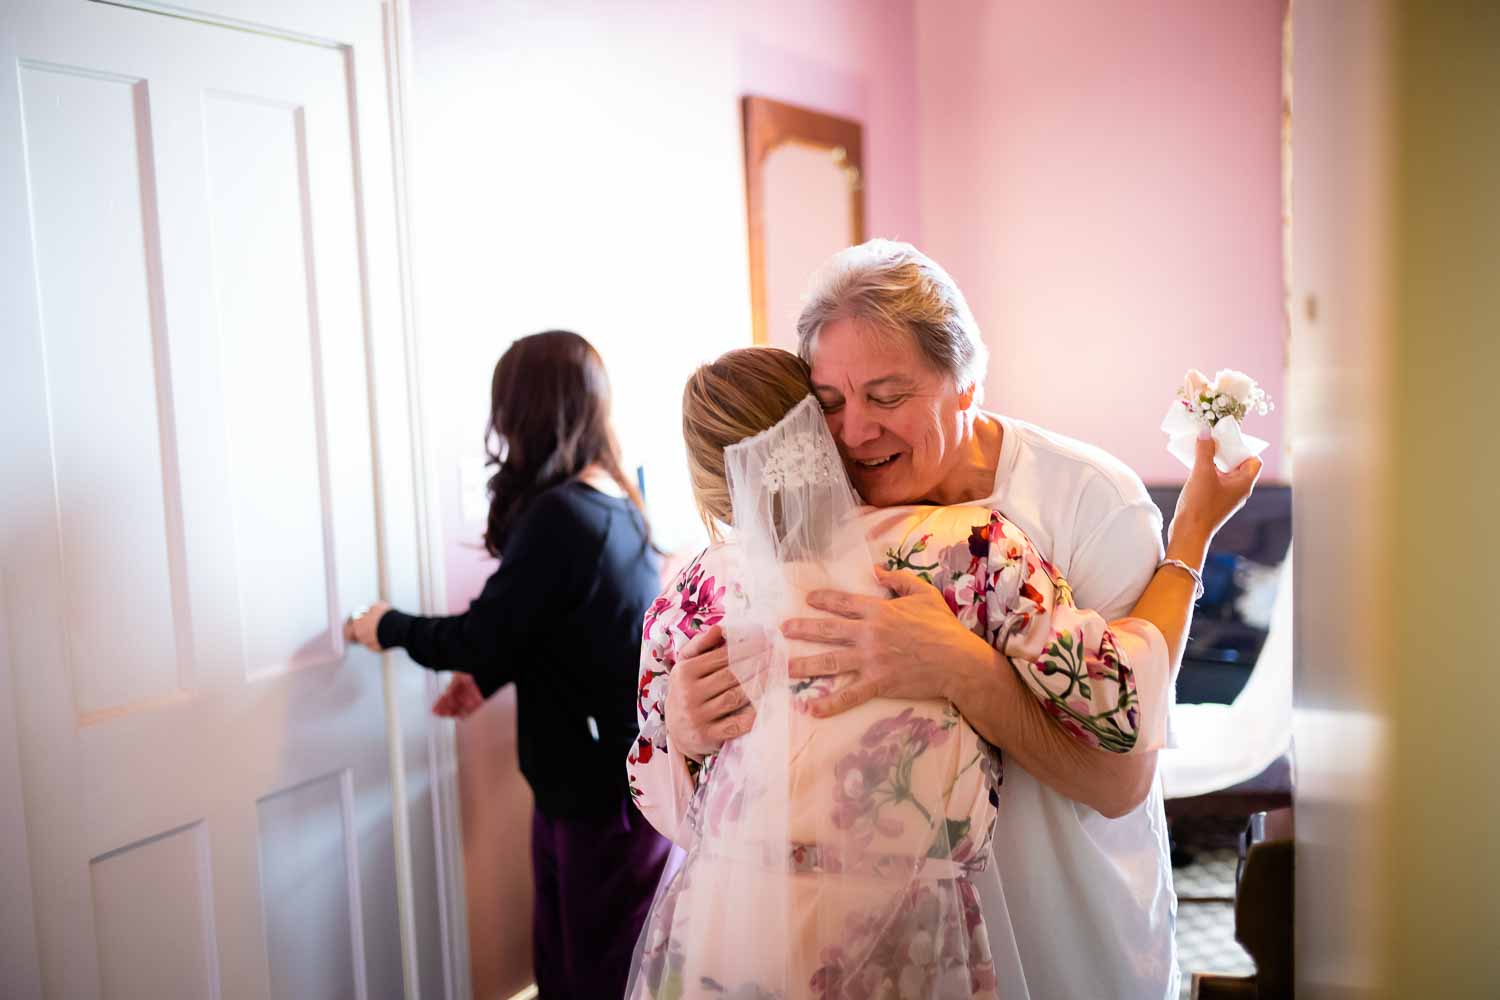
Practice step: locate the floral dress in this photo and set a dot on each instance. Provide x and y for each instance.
(891, 804)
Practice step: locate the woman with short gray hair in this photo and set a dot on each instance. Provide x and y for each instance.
(898, 366)
(894, 286)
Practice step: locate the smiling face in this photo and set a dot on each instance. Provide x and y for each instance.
(899, 422)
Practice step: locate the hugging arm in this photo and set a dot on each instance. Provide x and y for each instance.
(1017, 691)
(683, 655)
(912, 646)
(663, 776)
(1104, 682)
(1079, 703)
(997, 704)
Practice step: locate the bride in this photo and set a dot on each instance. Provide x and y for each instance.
(839, 857)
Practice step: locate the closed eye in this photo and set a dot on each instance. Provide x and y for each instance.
(889, 401)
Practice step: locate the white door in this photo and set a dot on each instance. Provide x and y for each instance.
(191, 504)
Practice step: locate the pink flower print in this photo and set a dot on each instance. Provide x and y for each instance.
(663, 652)
(920, 946)
(828, 980)
(1099, 667)
(1068, 723)
(858, 774)
(960, 560)
(1005, 587)
(858, 777)
(643, 751)
(880, 774)
(652, 614)
(1030, 593)
(724, 804)
(915, 732)
(926, 733)
(1109, 652)
(981, 538)
(644, 699)
(810, 689)
(962, 595)
(702, 603)
(886, 727)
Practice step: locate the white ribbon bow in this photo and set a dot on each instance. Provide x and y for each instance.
(1232, 446)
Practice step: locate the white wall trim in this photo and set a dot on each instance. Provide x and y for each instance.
(442, 755)
(20, 962)
(20, 958)
(325, 23)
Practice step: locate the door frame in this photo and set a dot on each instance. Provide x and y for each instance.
(374, 38)
(442, 743)
(20, 962)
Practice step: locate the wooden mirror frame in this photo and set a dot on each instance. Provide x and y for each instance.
(767, 125)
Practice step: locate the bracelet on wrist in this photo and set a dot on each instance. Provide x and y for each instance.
(1195, 574)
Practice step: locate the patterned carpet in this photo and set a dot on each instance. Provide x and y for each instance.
(1205, 914)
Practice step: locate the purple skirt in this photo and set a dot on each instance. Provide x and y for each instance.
(595, 879)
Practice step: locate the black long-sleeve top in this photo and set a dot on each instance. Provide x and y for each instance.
(561, 619)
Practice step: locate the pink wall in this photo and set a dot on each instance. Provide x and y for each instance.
(1103, 181)
(578, 163)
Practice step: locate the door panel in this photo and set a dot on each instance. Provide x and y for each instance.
(207, 781)
(172, 870)
(266, 317)
(88, 161)
(310, 889)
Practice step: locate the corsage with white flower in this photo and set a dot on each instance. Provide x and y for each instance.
(1218, 406)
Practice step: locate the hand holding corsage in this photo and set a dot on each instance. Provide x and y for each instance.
(1217, 407)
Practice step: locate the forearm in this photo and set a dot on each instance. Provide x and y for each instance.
(455, 642)
(1167, 602)
(661, 784)
(662, 777)
(997, 704)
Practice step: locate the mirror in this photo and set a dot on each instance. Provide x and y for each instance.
(805, 196)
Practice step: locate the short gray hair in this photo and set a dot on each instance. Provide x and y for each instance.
(894, 286)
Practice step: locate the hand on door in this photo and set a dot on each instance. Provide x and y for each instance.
(460, 699)
(361, 626)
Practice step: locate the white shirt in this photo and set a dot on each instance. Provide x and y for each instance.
(1084, 906)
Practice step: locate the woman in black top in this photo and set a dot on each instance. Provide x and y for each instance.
(561, 619)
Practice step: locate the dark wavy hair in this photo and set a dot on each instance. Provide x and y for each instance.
(549, 420)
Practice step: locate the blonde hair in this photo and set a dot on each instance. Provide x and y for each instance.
(894, 287)
(744, 392)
